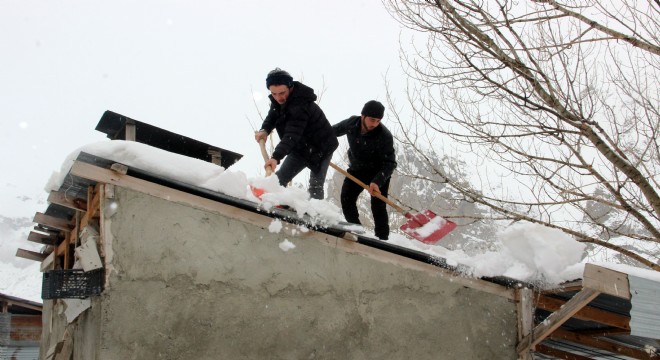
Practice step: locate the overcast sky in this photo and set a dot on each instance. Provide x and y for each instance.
(189, 67)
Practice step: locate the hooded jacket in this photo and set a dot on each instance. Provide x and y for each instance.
(302, 127)
(372, 152)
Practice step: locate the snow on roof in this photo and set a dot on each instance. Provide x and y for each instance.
(525, 252)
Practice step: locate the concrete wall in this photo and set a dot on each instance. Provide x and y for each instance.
(185, 283)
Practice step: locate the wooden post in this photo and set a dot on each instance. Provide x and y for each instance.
(130, 130)
(216, 157)
(525, 306)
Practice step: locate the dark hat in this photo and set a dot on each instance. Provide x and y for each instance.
(373, 109)
(278, 77)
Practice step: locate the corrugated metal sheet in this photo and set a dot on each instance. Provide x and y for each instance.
(19, 353)
(644, 313)
(5, 327)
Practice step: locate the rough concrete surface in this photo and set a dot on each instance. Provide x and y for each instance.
(192, 284)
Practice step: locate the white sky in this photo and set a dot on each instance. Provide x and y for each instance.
(188, 67)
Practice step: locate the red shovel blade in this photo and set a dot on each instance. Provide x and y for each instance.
(427, 227)
(257, 191)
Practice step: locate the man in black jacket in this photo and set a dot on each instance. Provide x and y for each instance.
(306, 136)
(371, 159)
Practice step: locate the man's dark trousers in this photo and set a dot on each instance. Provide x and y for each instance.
(350, 191)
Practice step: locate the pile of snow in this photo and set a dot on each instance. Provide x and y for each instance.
(525, 252)
(205, 175)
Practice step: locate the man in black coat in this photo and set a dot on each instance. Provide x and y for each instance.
(306, 136)
(371, 159)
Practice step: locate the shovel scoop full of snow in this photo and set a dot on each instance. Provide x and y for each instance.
(427, 227)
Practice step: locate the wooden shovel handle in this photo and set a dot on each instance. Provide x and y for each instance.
(357, 181)
(264, 154)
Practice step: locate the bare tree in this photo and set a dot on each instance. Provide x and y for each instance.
(560, 97)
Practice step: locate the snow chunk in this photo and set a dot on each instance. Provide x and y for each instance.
(275, 226)
(287, 245)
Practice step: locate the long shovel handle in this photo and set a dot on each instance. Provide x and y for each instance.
(357, 181)
(264, 154)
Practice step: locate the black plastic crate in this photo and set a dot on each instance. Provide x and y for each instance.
(72, 283)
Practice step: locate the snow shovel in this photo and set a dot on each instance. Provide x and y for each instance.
(424, 226)
(255, 190)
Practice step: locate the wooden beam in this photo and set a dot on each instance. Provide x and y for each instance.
(600, 343)
(559, 354)
(66, 350)
(119, 168)
(216, 156)
(610, 331)
(30, 255)
(606, 281)
(52, 222)
(65, 249)
(60, 198)
(7, 303)
(93, 203)
(129, 130)
(48, 263)
(40, 238)
(51, 232)
(587, 313)
(525, 307)
(575, 285)
(554, 321)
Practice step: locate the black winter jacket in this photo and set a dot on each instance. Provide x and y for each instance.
(370, 152)
(302, 127)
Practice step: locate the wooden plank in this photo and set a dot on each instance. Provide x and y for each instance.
(52, 222)
(129, 130)
(48, 262)
(559, 354)
(92, 205)
(606, 281)
(604, 332)
(525, 307)
(51, 232)
(65, 352)
(600, 343)
(65, 250)
(106, 198)
(93, 201)
(587, 313)
(30, 255)
(96, 200)
(106, 176)
(6, 303)
(60, 198)
(554, 321)
(216, 156)
(40, 238)
(119, 168)
(575, 285)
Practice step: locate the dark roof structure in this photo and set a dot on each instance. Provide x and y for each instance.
(121, 127)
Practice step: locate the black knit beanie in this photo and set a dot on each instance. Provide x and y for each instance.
(373, 109)
(278, 77)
